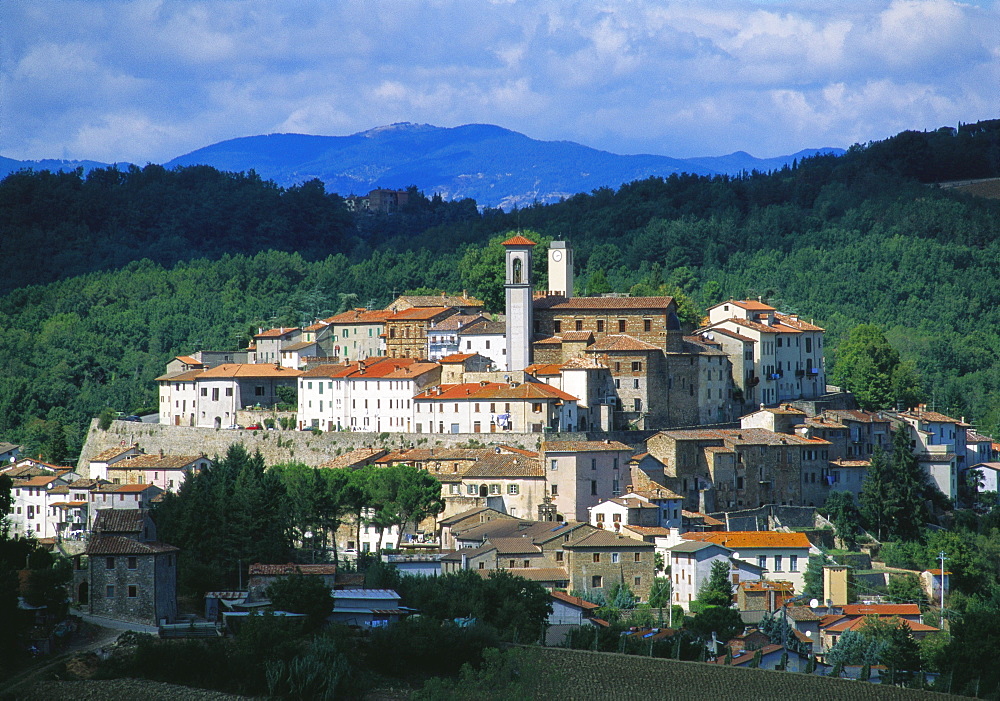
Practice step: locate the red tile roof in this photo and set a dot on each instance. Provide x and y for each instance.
(621, 342)
(660, 304)
(518, 241)
(420, 313)
(248, 370)
(574, 600)
(360, 316)
(738, 540)
(276, 333)
(494, 390)
(456, 358)
(122, 545)
(583, 446)
(881, 609)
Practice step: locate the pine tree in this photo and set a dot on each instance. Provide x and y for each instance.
(874, 498)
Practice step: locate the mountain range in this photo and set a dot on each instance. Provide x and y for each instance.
(496, 167)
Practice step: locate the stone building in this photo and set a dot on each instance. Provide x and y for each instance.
(728, 469)
(128, 575)
(407, 330)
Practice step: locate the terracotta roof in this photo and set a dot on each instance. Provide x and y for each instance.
(514, 546)
(276, 333)
(577, 336)
(494, 390)
(743, 436)
(546, 369)
(728, 334)
(110, 453)
(353, 458)
(258, 568)
(584, 364)
(548, 341)
(659, 492)
(484, 326)
(767, 586)
(970, 437)
(693, 546)
(129, 488)
(441, 300)
(155, 461)
(867, 417)
(456, 358)
(505, 465)
(740, 540)
(519, 451)
(847, 624)
(802, 613)
(421, 313)
(574, 600)
(122, 545)
(605, 539)
(925, 415)
(248, 370)
(633, 503)
(795, 322)
(318, 326)
(185, 376)
(359, 316)
(937, 572)
(40, 481)
(751, 305)
(558, 302)
(455, 322)
(777, 327)
(850, 463)
(621, 342)
(380, 368)
(647, 530)
(583, 446)
(299, 346)
(518, 241)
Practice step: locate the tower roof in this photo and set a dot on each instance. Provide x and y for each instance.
(518, 241)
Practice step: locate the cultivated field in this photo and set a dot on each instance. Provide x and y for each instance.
(600, 675)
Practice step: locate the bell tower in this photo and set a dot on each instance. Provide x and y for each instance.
(517, 285)
(560, 269)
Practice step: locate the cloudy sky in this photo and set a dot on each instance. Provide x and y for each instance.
(149, 80)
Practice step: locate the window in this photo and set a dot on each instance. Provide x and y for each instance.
(559, 555)
(638, 581)
(494, 489)
(554, 489)
(109, 591)
(578, 325)
(557, 326)
(229, 391)
(793, 563)
(536, 407)
(471, 489)
(215, 394)
(636, 366)
(636, 404)
(511, 564)
(553, 464)
(600, 326)
(635, 384)
(133, 591)
(258, 391)
(593, 487)
(597, 557)
(133, 563)
(109, 563)
(614, 558)
(777, 563)
(204, 391)
(512, 489)
(596, 582)
(482, 565)
(762, 561)
(647, 325)
(621, 326)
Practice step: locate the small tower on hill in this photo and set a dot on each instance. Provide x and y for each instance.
(517, 284)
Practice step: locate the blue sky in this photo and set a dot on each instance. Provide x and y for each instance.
(152, 79)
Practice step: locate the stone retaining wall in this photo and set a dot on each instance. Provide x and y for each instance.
(304, 446)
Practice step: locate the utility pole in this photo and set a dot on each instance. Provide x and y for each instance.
(943, 558)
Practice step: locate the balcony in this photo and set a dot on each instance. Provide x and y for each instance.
(800, 373)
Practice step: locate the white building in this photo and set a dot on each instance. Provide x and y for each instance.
(645, 513)
(357, 334)
(582, 474)
(787, 352)
(487, 338)
(783, 556)
(31, 502)
(939, 443)
(369, 395)
(691, 563)
(492, 407)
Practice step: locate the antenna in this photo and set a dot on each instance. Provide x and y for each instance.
(943, 558)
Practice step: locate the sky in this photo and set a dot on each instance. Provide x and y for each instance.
(149, 80)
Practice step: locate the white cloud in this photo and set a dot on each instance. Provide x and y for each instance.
(151, 79)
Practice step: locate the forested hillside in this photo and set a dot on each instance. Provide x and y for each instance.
(846, 240)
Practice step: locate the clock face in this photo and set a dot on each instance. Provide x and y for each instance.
(557, 256)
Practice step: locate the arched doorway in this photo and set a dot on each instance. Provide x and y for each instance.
(83, 593)
(484, 491)
(218, 422)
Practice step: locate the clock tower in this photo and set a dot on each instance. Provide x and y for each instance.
(560, 269)
(517, 285)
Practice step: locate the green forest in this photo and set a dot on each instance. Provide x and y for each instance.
(111, 274)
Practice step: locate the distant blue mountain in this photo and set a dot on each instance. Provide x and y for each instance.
(494, 166)
(9, 165)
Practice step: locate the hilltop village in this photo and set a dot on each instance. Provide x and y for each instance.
(583, 443)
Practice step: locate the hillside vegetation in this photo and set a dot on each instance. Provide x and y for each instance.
(143, 264)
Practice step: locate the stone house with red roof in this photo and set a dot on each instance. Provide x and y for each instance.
(121, 497)
(269, 344)
(127, 574)
(167, 472)
(939, 442)
(407, 331)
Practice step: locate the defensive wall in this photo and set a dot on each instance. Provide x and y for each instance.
(304, 446)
